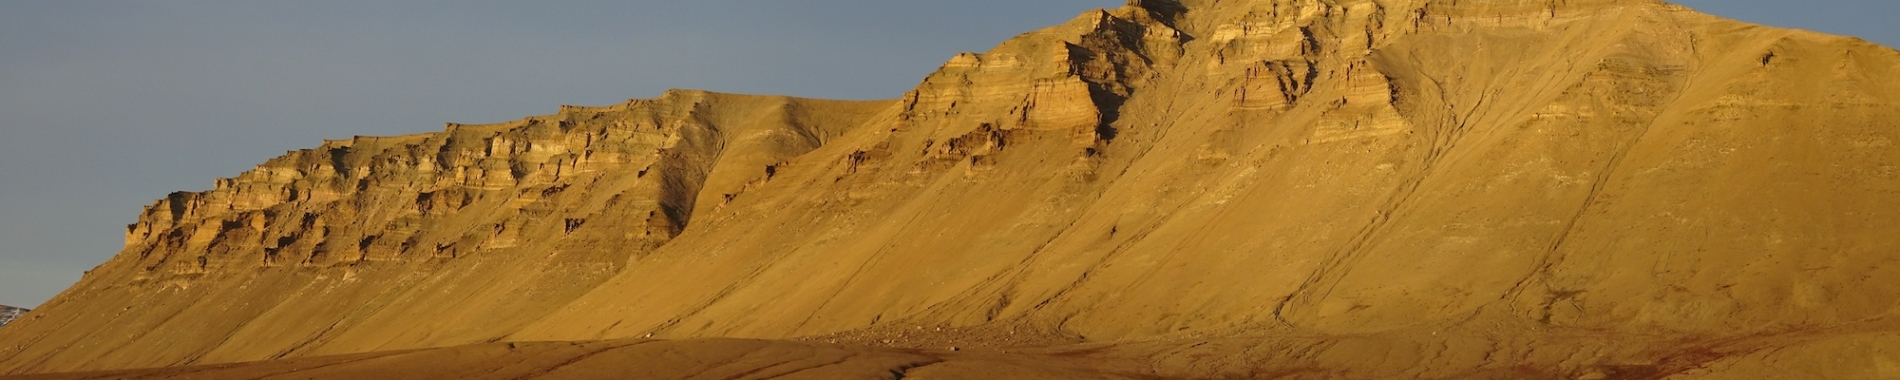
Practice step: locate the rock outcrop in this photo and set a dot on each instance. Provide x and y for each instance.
(1597, 189)
(9, 313)
(409, 241)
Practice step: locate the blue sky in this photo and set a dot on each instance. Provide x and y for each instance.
(106, 106)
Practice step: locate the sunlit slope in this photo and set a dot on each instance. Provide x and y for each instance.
(456, 237)
(1414, 189)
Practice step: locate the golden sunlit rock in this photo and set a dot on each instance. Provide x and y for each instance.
(1272, 189)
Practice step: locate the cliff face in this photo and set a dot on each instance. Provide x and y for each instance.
(455, 237)
(1417, 189)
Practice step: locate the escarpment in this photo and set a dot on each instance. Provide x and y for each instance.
(1172, 189)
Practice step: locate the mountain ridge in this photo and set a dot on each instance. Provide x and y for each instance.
(1313, 184)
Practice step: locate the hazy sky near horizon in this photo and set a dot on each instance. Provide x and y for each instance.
(106, 106)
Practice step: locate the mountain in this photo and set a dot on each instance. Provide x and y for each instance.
(1583, 189)
(9, 313)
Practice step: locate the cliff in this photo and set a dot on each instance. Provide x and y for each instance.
(1173, 189)
(455, 237)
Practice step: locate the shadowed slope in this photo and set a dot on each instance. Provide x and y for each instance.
(455, 237)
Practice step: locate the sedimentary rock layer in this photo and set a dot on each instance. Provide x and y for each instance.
(9, 313)
(1192, 189)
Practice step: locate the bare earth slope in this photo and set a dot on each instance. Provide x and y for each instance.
(1196, 189)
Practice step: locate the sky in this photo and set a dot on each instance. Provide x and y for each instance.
(106, 106)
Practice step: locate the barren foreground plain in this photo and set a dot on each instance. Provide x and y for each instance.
(1175, 189)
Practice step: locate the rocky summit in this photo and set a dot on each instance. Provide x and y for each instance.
(1174, 189)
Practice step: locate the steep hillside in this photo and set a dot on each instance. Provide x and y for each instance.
(456, 237)
(1179, 189)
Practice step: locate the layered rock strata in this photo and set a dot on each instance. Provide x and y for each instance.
(456, 237)
(1329, 189)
